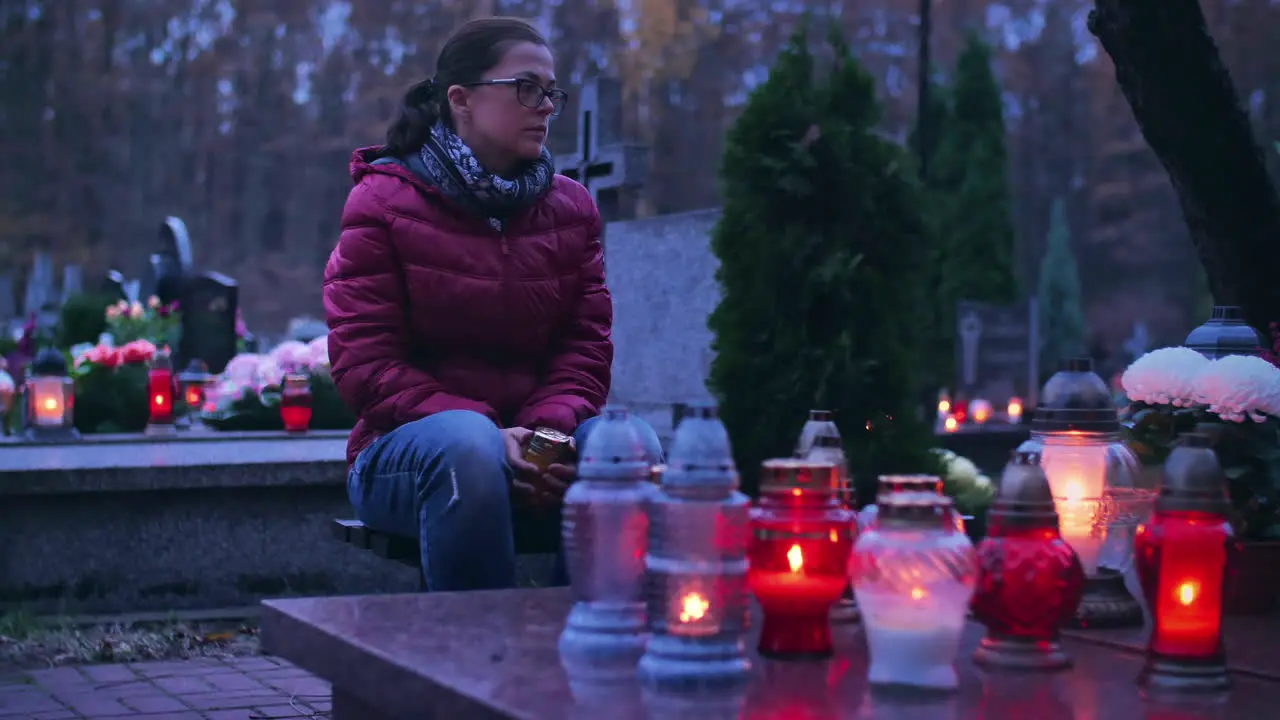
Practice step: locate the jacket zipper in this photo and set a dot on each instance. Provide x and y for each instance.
(506, 304)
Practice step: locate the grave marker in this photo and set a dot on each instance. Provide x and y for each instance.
(114, 285)
(72, 282)
(997, 352)
(42, 292)
(602, 162)
(168, 269)
(209, 305)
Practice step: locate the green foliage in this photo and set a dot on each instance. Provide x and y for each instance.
(969, 201)
(262, 412)
(1062, 323)
(111, 400)
(821, 292)
(83, 319)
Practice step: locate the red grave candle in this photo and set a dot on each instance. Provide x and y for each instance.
(1182, 557)
(160, 390)
(1030, 580)
(799, 554)
(295, 403)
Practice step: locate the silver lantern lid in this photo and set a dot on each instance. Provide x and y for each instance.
(701, 457)
(1076, 400)
(614, 451)
(1225, 333)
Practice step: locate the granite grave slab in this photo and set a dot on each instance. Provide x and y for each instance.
(98, 527)
(489, 655)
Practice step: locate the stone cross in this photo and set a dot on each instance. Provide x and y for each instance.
(602, 162)
(970, 332)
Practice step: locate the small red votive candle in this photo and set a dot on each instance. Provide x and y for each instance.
(160, 391)
(295, 403)
(1030, 580)
(801, 537)
(1182, 562)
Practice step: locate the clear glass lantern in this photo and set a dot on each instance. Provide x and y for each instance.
(820, 442)
(914, 573)
(912, 485)
(1076, 430)
(160, 394)
(50, 399)
(697, 563)
(605, 532)
(295, 403)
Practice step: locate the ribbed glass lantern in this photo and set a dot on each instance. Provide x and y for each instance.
(914, 573)
(1091, 472)
(697, 563)
(820, 442)
(605, 532)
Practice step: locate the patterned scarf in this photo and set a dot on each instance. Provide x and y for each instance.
(453, 167)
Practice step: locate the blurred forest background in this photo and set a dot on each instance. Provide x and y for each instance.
(240, 116)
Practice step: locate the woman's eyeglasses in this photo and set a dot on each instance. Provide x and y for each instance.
(530, 94)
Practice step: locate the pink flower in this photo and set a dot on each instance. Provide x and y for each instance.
(241, 328)
(138, 351)
(291, 355)
(103, 355)
(318, 353)
(269, 374)
(242, 368)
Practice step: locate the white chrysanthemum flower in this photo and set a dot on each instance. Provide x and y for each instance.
(983, 481)
(1164, 377)
(1236, 387)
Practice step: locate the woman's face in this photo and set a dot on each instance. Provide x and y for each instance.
(501, 129)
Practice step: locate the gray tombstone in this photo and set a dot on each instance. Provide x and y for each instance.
(997, 354)
(72, 282)
(209, 303)
(113, 285)
(8, 299)
(603, 162)
(169, 268)
(42, 293)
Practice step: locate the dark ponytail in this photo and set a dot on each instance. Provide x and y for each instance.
(419, 112)
(473, 49)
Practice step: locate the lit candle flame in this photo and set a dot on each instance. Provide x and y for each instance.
(1014, 409)
(918, 593)
(159, 400)
(981, 414)
(1187, 592)
(950, 424)
(944, 407)
(50, 403)
(795, 558)
(693, 607)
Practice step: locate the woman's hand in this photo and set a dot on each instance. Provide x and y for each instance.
(529, 479)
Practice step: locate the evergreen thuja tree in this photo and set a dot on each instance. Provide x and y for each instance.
(820, 291)
(1062, 324)
(970, 209)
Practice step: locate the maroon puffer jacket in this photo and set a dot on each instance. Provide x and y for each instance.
(431, 309)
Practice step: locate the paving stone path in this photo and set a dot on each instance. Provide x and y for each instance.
(253, 688)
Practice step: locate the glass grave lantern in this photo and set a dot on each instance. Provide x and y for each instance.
(295, 403)
(8, 390)
(194, 383)
(820, 441)
(914, 485)
(1182, 555)
(1029, 580)
(801, 537)
(697, 564)
(1225, 333)
(605, 531)
(913, 573)
(50, 397)
(160, 385)
(1076, 430)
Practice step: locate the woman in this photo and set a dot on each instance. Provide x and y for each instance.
(467, 306)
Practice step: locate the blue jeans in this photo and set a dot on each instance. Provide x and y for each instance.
(445, 480)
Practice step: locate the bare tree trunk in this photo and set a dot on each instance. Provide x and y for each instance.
(1186, 105)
